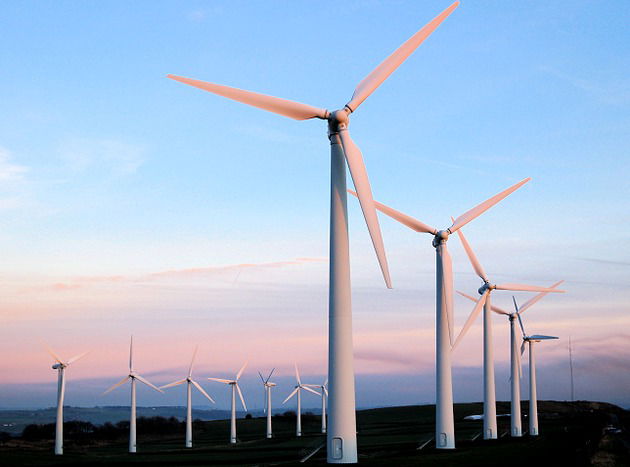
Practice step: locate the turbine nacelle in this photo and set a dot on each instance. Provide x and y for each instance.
(58, 366)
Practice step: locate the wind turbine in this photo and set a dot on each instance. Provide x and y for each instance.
(324, 394)
(268, 385)
(489, 391)
(341, 438)
(235, 388)
(132, 376)
(298, 387)
(61, 366)
(515, 361)
(444, 334)
(189, 384)
(533, 400)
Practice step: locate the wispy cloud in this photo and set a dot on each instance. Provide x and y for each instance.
(10, 172)
(617, 93)
(116, 157)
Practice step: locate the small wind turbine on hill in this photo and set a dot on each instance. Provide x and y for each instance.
(298, 387)
(268, 385)
(444, 334)
(132, 376)
(515, 361)
(341, 437)
(324, 394)
(489, 391)
(235, 388)
(189, 384)
(61, 366)
(533, 399)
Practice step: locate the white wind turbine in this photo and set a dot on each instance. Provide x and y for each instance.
(515, 361)
(444, 334)
(489, 391)
(235, 388)
(533, 399)
(324, 394)
(341, 439)
(268, 385)
(189, 384)
(61, 366)
(298, 388)
(132, 376)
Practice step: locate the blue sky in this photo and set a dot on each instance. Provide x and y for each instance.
(110, 174)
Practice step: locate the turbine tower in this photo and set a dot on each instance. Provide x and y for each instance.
(298, 387)
(444, 334)
(489, 391)
(533, 399)
(341, 439)
(516, 429)
(132, 376)
(235, 388)
(61, 366)
(324, 394)
(189, 384)
(268, 385)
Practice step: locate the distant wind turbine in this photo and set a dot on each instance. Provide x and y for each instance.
(189, 384)
(444, 334)
(533, 399)
(324, 394)
(132, 376)
(61, 366)
(235, 388)
(489, 391)
(298, 387)
(341, 440)
(268, 385)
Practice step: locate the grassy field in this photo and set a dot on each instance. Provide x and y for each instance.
(571, 434)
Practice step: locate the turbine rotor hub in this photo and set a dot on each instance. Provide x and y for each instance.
(338, 120)
(441, 236)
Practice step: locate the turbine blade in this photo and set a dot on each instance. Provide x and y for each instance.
(52, 354)
(540, 337)
(447, 281)
(361, 182)
(404, 219)
(240, 394)
(472, 317)
(389, 65)
(311, 390)
(471, 256)
(261, 378)
(526, 288)
(536, 298)
(151, 385)
(483, 207)
(219, 380)
(131, 355)
(520, 322)
(202, 391)
(77, 357)
(325, 390)
(173, 384)
(494, 308)
(291, 395)
(240, 372)
(520, 364)
(285, 107)
(119, 383)
(270, 373)
(192, 361)
(297, 374)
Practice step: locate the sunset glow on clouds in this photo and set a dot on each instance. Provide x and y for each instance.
(130, 204)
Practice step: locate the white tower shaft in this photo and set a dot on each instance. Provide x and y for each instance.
(269, 433)
(444, 423)
(233, 416)
(489, 391)
(132, 420)
(533, 397)
(189, 415)
(516, 429)
(298, 425)
(341, 440)
(61, 389)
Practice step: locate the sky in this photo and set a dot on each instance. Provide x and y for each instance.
(133, 204)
